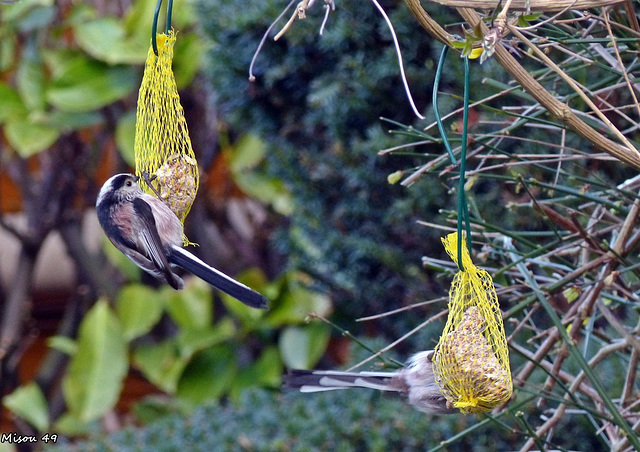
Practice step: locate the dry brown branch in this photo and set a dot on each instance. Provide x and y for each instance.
(556, 108)
(532, 5)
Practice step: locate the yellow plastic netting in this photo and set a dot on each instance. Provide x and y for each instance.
(471, 360)
(164, 156)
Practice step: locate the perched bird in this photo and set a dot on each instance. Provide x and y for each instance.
(149, 234)
(414, 381)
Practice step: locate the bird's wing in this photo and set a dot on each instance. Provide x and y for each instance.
(150, 244)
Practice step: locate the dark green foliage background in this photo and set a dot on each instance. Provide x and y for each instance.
(317, 102)
(269, 422)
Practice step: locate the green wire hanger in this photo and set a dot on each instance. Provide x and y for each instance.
(463, 208)
(154, 26)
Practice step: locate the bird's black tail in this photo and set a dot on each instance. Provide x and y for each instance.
(328, 380)
(217, 279)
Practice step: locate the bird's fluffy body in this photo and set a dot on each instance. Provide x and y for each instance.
(145, 230)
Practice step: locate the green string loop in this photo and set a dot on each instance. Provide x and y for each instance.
(434, 103)
(463, 208)
(154, 26)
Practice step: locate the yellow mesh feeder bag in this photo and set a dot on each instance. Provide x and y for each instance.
(165, 161)
(471, 360)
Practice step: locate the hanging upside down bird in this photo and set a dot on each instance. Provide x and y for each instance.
(145, 230)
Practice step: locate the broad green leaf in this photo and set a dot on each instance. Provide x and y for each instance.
(161, 364)
(65, 121)
(247, 153)
(30, 77)
(140, 17)
(209, 375)
(8, 44)
(266, 371)
(187, 58)
(29, 15)
(139, 308)
(69, 424)
(191, 341)
(268, 190)
(18, 10)
(63, 344)
(29, 403)
(96, 372)
(191, 308)
(86, 85)
(28, 138)
(296, 303)
(106, 40)
(11, 105)
(125, 136)
(302, 346)
(57, 61)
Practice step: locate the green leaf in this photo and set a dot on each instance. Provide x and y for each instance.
(8, 44)
(138, 19)
(29, 15)
(86, 85)
(11, 105)
(96, 372)
(65, 121)
(28, 138)
(69, 424)
(57, 61)
(209, 375)
(139, 308)
(29, 403)
(125, 136)
(302, 346)
(105, 39)
(266, 371)
(30, 77)
(161, 364)
(63, 344)
(191, 308)
(296, 303)
(247, 153)
(187, 58)
(190, 341)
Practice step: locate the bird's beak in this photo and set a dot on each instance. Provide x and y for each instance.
(136, 179)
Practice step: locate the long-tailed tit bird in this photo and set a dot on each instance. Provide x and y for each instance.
(414, 381)
(150, 235)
